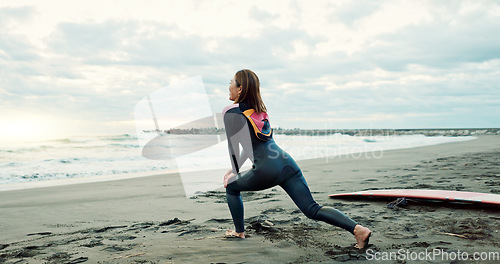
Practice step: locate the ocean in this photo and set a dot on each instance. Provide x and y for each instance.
(97, 158)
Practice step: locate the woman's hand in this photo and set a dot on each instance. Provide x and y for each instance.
(229, 174)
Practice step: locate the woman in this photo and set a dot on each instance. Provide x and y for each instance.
(271, 165)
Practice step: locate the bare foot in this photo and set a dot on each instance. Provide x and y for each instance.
(232, 233)
(362, 235)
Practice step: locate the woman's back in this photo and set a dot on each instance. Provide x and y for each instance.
(270, 162)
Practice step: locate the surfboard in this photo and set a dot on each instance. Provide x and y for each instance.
(453, 196)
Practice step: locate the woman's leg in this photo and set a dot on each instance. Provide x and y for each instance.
(236, 208)
(297, 189)
(246, 182)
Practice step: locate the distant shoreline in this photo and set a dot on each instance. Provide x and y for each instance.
(351, 132)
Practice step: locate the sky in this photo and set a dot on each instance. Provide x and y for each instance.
(80, 67)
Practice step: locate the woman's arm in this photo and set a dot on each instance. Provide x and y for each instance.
(237, 133)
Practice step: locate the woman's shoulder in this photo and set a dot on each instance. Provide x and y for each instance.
(236, 108)
(229, 107)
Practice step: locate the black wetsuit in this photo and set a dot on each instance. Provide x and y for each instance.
(271, 166)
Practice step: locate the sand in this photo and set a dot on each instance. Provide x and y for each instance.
(150, 220)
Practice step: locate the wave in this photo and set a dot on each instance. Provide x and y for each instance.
(70, 140)
(121, 137)
(104, 155)
(125, 145)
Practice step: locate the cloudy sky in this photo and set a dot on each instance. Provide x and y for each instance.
(80, 67)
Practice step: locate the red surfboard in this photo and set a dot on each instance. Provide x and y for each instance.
(456, 196)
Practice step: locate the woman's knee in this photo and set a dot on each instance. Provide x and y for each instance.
(230, 191)
(311, 210)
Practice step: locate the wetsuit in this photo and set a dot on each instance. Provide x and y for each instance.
(271, 166)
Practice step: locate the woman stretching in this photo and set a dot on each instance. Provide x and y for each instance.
(271, 165)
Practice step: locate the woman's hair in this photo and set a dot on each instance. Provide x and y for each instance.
(250, 89)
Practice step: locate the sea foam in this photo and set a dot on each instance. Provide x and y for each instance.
(100, 157)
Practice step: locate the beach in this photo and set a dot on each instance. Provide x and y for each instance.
(150, 220)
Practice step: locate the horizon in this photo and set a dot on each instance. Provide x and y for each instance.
(68, 137)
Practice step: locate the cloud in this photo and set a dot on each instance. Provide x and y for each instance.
(153, 44)
(15, 46)
(447, 41)
(89, 40)
(356, 63)
(261, 15)
(349, 13)
(12, 15)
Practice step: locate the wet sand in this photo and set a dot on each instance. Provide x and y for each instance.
(149, 219)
